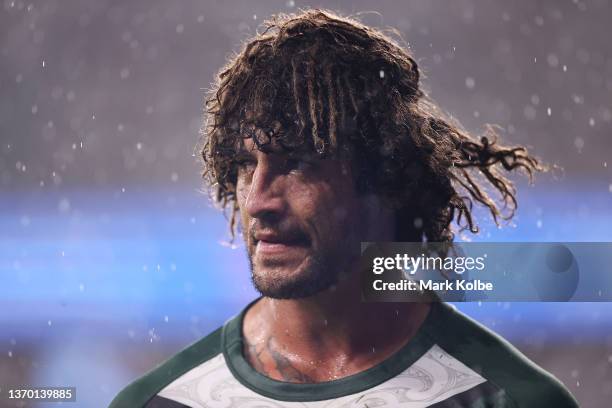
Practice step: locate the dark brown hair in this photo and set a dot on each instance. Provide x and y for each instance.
(331, 85)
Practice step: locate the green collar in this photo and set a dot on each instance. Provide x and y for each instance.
(232, 344)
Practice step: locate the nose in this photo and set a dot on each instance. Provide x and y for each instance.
(265, 193)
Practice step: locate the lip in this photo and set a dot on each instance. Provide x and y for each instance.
(277, 248)
(273, 247)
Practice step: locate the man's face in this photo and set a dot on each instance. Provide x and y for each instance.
(302, 220)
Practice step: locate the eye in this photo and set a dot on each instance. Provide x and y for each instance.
(297, 164)
(245, 165)
(292, 163)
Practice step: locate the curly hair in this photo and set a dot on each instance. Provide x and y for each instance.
(319, 82)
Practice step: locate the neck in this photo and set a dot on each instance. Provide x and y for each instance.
(334, 329)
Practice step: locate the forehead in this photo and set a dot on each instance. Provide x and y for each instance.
(274, 145)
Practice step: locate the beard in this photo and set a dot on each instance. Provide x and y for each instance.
(319, 272)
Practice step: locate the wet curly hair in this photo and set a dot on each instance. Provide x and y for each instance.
(327, 84)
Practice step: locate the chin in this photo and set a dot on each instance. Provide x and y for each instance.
(282, 282)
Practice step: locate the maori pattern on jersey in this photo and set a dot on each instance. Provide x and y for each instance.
(434, 377)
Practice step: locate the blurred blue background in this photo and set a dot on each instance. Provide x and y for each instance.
(111, 256)
(97, 294)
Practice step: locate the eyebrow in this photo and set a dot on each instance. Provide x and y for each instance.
(243, 152)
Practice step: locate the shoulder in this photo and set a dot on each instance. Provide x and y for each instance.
(498, 361)
(146, 387)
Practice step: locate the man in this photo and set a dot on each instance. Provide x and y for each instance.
(319, 137)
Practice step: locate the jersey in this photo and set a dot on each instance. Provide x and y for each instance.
(451, 362)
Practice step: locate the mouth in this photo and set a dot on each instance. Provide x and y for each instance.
(272, 244)
(273, 247)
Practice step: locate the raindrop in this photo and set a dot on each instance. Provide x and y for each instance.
(64, 205)
(578, 99)
(529, 112)
(25, 221)
(470, 83)
(152, 335)
(418, 223)
(57, 92)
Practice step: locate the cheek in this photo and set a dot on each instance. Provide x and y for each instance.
(324, 207)
(304, 199)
